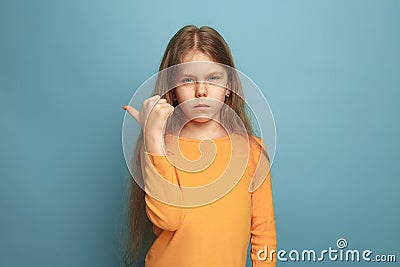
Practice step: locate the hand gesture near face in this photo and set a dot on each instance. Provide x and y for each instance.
(155, 111)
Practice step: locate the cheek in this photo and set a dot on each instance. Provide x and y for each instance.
(182, 96)
(218, 94)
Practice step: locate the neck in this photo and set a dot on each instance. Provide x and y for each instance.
(203, 130)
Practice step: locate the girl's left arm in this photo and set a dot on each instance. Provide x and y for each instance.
(263, 230)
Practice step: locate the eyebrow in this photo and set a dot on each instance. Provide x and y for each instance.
(211, 73)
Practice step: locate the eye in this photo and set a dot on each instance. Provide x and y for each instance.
(214, 78)
(187, 80)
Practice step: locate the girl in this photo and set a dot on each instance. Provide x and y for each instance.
(185, 215)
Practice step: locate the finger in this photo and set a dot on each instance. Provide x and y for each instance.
(154, 98)
(133, 112)
(165, 104)
(164, 107)
(168, 109)
(162, 100)
(150, 101)
(161, 104)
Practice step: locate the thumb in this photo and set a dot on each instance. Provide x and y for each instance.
(133, 112)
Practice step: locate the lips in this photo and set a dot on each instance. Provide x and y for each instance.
(202, 106)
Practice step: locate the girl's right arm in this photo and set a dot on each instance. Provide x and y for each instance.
(154, 113)
(156, 169)
(159, 174)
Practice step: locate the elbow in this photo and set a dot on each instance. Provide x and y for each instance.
(164, 216)
(175, 221)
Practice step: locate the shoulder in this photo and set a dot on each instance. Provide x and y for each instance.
(258, 150)
(257, 143)
(254, 142)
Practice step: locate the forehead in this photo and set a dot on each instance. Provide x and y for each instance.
(199, 68)
(196, 56)
(197, 62)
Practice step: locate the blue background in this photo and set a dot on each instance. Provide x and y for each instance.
(329, 69)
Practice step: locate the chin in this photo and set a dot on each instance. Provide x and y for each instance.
(201, 119)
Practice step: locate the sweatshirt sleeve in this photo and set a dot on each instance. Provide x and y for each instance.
(263, 231)
(161, 192)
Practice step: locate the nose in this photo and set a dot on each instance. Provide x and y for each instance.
(201, 90)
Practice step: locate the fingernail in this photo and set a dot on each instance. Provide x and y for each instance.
(125, 107)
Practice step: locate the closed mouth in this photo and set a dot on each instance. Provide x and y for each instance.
(201, 106)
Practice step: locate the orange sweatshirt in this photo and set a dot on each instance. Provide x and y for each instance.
(200, 222)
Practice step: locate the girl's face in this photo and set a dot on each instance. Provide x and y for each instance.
(202, 87)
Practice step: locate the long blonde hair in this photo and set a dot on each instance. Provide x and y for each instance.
(187, 40)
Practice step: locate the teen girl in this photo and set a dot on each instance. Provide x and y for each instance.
(208, 226)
